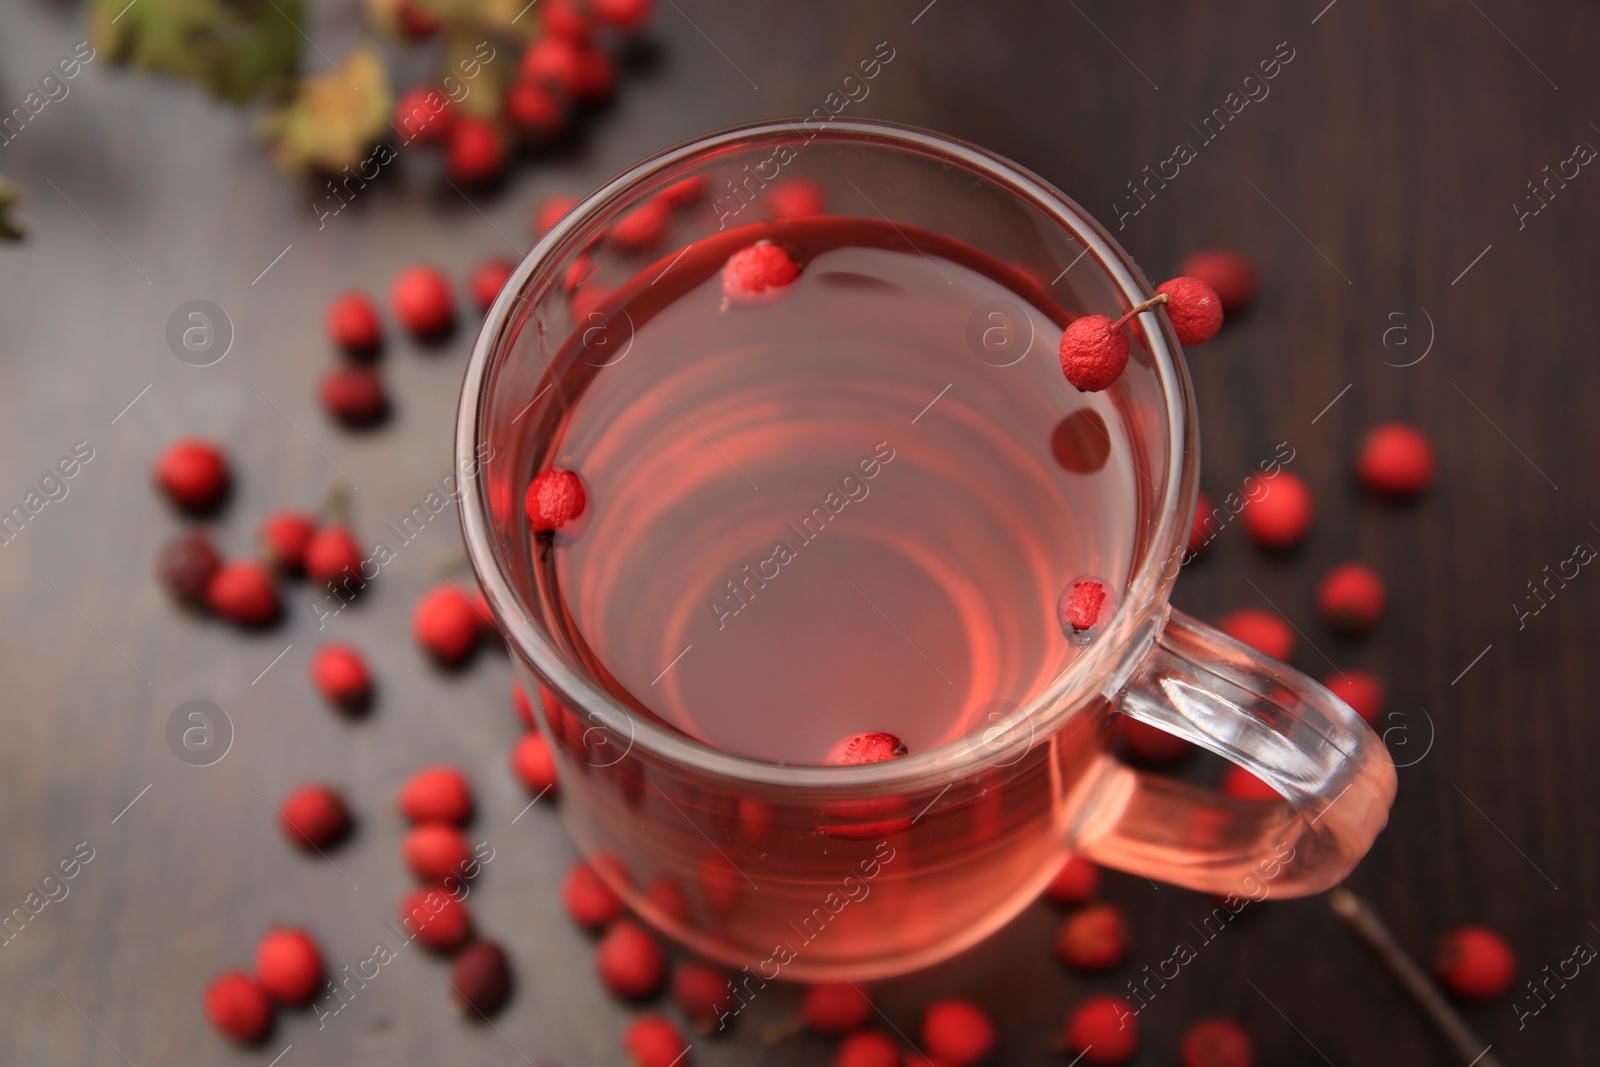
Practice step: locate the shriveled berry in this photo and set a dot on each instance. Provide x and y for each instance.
(553, 62)
(868, 1049)
(551, 211)
(1217, 1042)
(630, 960)
(434, 851)
(864, 748)
(354, 395)
(194, 474)
(1474, 963)
(1242, 785)
(1194, 309)
(1094, 352)
(480, 978)
(1203, 529)
(555, 497)
(534, 110)
(242, 592)
(1093, 938)
(652, 1041)
(1102, 1029)
(1351, 597)
(186, 565)
(420, 297)
(1279, 515)
(588, 899)
(313, 816)
(1081, 605)
(640, 229)
(1075, 882)
(1362, 691)
(423, 114)
(796, 198)
(625, 15)
(237, 1007)
(488, 278)
(596, 77)
(284, 539)
(1230, 275)
(436, 794)
(436, 918)
(703, 993)
(340, 675)
(1396, 461)
(1262, 630)
(353, 325)
(523, 707)
(334, 557)
(758, 273)
(289, 966)
(533, 764)
(835, 1008)
(446, 624)
(475, 152)
(957, 1032)
(1151, 745)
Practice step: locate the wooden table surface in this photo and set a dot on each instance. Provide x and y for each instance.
(1381, 185)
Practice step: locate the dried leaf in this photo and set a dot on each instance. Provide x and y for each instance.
(235, 49)
(335, 117)
(11, 227)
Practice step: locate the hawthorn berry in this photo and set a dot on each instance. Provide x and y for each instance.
(332, 554)
(555, 497)
(630, 961)
(1396, 461)
(627, 16)
(352, 323)
(314, 817)
(1075, 882)
(194, 475)
(652, 1041)
(340, 674)
(1081, 604)
(414, 21)
(436, 794)
(1103, 1030)
(835, 1008)
(475, 151)
(289, 966)
(596, 76)
(566, 18)
(523, 707)
(237, 1007)
(488, 278)
(757, 274)
(1216, 1042)
(1362, 691)
(436, 918)
(1242, 785)
(554, 62)
(1093, 938)
(685, 192)
(668, 898)
(1152, 745)
(421, 299)
(480, 978)
(1193, 308)
(1279, 517)
(186, 565)
(957, 1032)
(434, 851)
(1351, 597)
(640, 229)
(446, 624)
(1200, 531)
(1262, 630)
(796, 198)
(284, 537)
(423, 114)
(1229, 274)
(551, 211)
(588, 899)
(1474, 963)
(534, 110)
(533, 763)
(703, 993)
(242, 592)
(864, 748)
(1094, 352)
(868, 1048)
(354, 396)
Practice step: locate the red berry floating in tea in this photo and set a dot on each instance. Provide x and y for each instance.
(864, 748)
(555, 498)
(757, 274)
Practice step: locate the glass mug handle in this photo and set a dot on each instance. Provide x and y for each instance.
(1334, 774)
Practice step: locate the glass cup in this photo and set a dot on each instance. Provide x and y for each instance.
(827, 873)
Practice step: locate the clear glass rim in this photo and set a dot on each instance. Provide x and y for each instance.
(1101, 670)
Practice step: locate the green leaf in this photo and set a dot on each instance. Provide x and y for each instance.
(335, 117)
(235, 49)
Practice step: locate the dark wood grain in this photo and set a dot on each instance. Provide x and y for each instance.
(1384, 161)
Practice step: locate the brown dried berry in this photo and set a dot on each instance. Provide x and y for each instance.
(480, 978)
(186, 565)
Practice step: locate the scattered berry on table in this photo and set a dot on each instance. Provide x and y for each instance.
(1077, 881)
(534, 764)
(1362, 691)
(572, 19)
(1093, 938)
(423, 114)
(436, 918)
(652, 1041)
(1280, 515)
(421, 300)
(1265, 631)
(242, 592)
(1396, 461)
(834, 1008)
(436, 794)
(588, 899)
(868, 1048)
(956, 1032)
(289, 966)
(333, 556)
(446, 624)
(628, 16)
(352, 323)
(1229, 274)
(480, 978)
(237, 1007)
(1350, 597)
(285, 536)
(1217, 1042)
(596, 77)
(1474, 963)
(194, 475)
(314, 817)
(630, 960)
(186, 564)
(354, 395)
(524, 708)
(475, 151)
(340, 675)
(435, 851)
(554, 62)
(488, 278)
(1103, 1030)
(703, 993)
(534, 110)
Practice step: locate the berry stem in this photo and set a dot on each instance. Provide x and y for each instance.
(1360, 917)
(335, 506)
(1159, 298)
